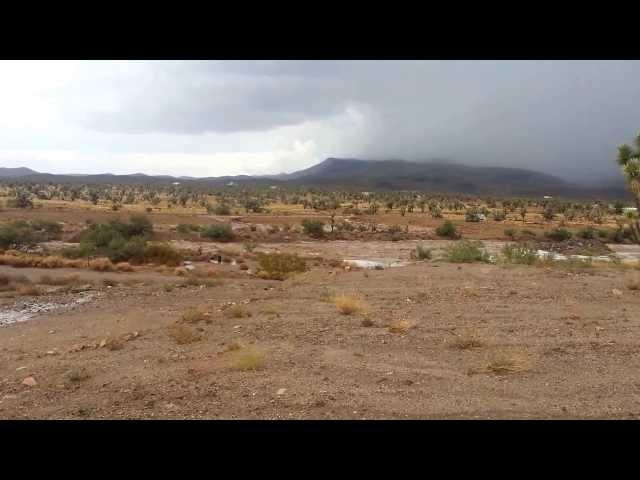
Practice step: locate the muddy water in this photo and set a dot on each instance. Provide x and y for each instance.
(25, 310)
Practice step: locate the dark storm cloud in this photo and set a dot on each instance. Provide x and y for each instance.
(563, 117)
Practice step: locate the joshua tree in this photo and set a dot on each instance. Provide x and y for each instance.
(629, 160)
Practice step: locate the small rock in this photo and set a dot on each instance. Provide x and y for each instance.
(20, 368)
(52, 331)
(189, 267)
(51, 352)
(281, 391)
(29, 381)
(103, 342)
(616, 292)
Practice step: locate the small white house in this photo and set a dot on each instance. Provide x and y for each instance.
(547, 197)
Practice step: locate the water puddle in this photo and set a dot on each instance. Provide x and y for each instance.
(27, 310)
(559, 256)
(382, 263)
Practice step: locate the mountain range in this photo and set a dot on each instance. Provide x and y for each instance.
(434, 177)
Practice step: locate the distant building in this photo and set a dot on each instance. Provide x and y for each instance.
(547, 197)
(231, 184)
(176, 183)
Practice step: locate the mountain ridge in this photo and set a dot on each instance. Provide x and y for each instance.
(438, 176)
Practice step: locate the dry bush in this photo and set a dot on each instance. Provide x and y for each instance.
(367, 322)
(244, 266)
(77, 263)
(28, 289)
(633, 283)
(506, 363)
(124, 267)
(195, 315)
(206, 273)
(109, 282)
(101, 265)
(400, 326)
(348, 305)
(238, 311)
(234, 346)
(248, 359)
(182, 334)
(51, 262)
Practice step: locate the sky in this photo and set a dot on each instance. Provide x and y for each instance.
(214, 118)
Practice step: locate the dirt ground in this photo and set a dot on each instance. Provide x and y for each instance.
(433, 340)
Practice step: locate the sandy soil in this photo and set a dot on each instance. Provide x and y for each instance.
(446, 341)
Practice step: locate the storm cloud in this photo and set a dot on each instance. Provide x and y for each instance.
(229, 117)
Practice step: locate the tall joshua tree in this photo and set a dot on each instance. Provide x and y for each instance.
(629, 160)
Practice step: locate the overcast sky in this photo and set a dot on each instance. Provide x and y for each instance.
(256, 117)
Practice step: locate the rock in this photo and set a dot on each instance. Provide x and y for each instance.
(103, 342)
(52, 352)
(616, 292)
(52, 331)
(190, 267)
(29, 381)
(187, 262)
(20, 368)
(281, 391)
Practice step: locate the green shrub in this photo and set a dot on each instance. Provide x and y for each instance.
(222, 233)
(587, 233)
(277, 266)
(558, 234)
(499, 215)
(522, 254)
(467, 251)
(313, 228)
(25, 233)
(510, 232)
(186, 228)
(447, 229)
(221, 209)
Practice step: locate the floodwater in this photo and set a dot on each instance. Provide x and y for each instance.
(26, 310)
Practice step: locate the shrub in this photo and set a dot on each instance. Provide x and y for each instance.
(101, 265)
(522, 254)
(510, 232)
(499, 215)
(313, 228)
(399, 326)
(221, 209)
(467, 251)
(194, 315)
(182, 334)
(222, 233)
(124, 267)
(348, 305)
(185, 228)
(587, 233)
(559, 234)
(277, 266)
(447, 229)
(238, 311)
(248, 359)
(160, 253)
(28, 289)
(421, 253)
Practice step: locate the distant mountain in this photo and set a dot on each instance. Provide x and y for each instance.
(16, 172)
(438, 177)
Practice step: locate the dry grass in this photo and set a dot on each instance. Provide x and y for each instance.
(271, 310)
(101, 265)
(195, 315)
(506, 363)
(234, 346)
(182, 334)
(347, 304)
(248, 359)
(467, 342)
(400, 326)
(123, 267)
(20, 260)
(180, 271)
